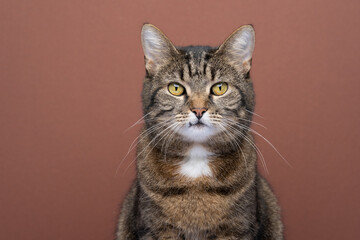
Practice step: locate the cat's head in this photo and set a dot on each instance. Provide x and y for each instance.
(197, 93)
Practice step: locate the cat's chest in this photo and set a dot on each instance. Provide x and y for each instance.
(196, 163)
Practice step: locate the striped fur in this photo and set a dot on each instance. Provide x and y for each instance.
(229, 200)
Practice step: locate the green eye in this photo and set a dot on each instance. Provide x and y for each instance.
(176, 89)
(219, 88)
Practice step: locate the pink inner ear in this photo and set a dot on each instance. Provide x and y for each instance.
(246, 66)
(149, 64)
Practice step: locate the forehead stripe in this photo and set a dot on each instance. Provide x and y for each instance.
(189, 68)
(182, 74)
(212, 73)
(204, 68)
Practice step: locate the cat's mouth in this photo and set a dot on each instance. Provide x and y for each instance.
(197, 130)
(198, 124)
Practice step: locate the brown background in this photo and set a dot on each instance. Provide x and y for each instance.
(70, 80)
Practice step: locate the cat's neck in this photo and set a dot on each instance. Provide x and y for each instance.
(186, 164)
(196, 162)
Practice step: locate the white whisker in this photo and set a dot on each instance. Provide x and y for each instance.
(138, 121)
(141, 137)
(146, 147)
(261, 136)
(254, 113)
(252, 144)
(233, 138)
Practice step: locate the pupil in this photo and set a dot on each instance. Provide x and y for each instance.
(176, 88)
(220, 87)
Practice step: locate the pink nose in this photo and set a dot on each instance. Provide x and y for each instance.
(198, 111)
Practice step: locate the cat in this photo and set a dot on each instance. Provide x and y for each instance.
(196, 160)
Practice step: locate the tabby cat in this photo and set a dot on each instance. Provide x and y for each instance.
(196, 159)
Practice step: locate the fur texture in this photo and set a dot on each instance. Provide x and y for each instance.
(196, 159)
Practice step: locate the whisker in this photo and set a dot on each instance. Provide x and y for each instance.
(273, 147)
(254, 113)
(219, 117)
(159, 134)
(149, 131)
(141, 136)
(252, 144)
(261, 136)
(259, 124)
(138, 121)
(167, 144)
(233, 138)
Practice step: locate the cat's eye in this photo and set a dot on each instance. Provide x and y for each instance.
(176, 89)
(219, 88)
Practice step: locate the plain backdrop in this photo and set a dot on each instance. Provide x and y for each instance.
(70, 81)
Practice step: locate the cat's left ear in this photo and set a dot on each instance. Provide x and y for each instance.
(158, 49)
(238, 48)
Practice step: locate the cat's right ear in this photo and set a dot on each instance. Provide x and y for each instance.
(158, 49)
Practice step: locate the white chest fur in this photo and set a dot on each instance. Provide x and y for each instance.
(196, 163)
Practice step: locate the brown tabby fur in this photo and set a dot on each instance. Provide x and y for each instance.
(235, 202)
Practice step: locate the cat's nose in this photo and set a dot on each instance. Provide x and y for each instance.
(199, 112)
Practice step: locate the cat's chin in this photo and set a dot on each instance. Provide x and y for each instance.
(197, 133)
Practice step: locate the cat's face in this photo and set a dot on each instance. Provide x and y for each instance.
(197, 93)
